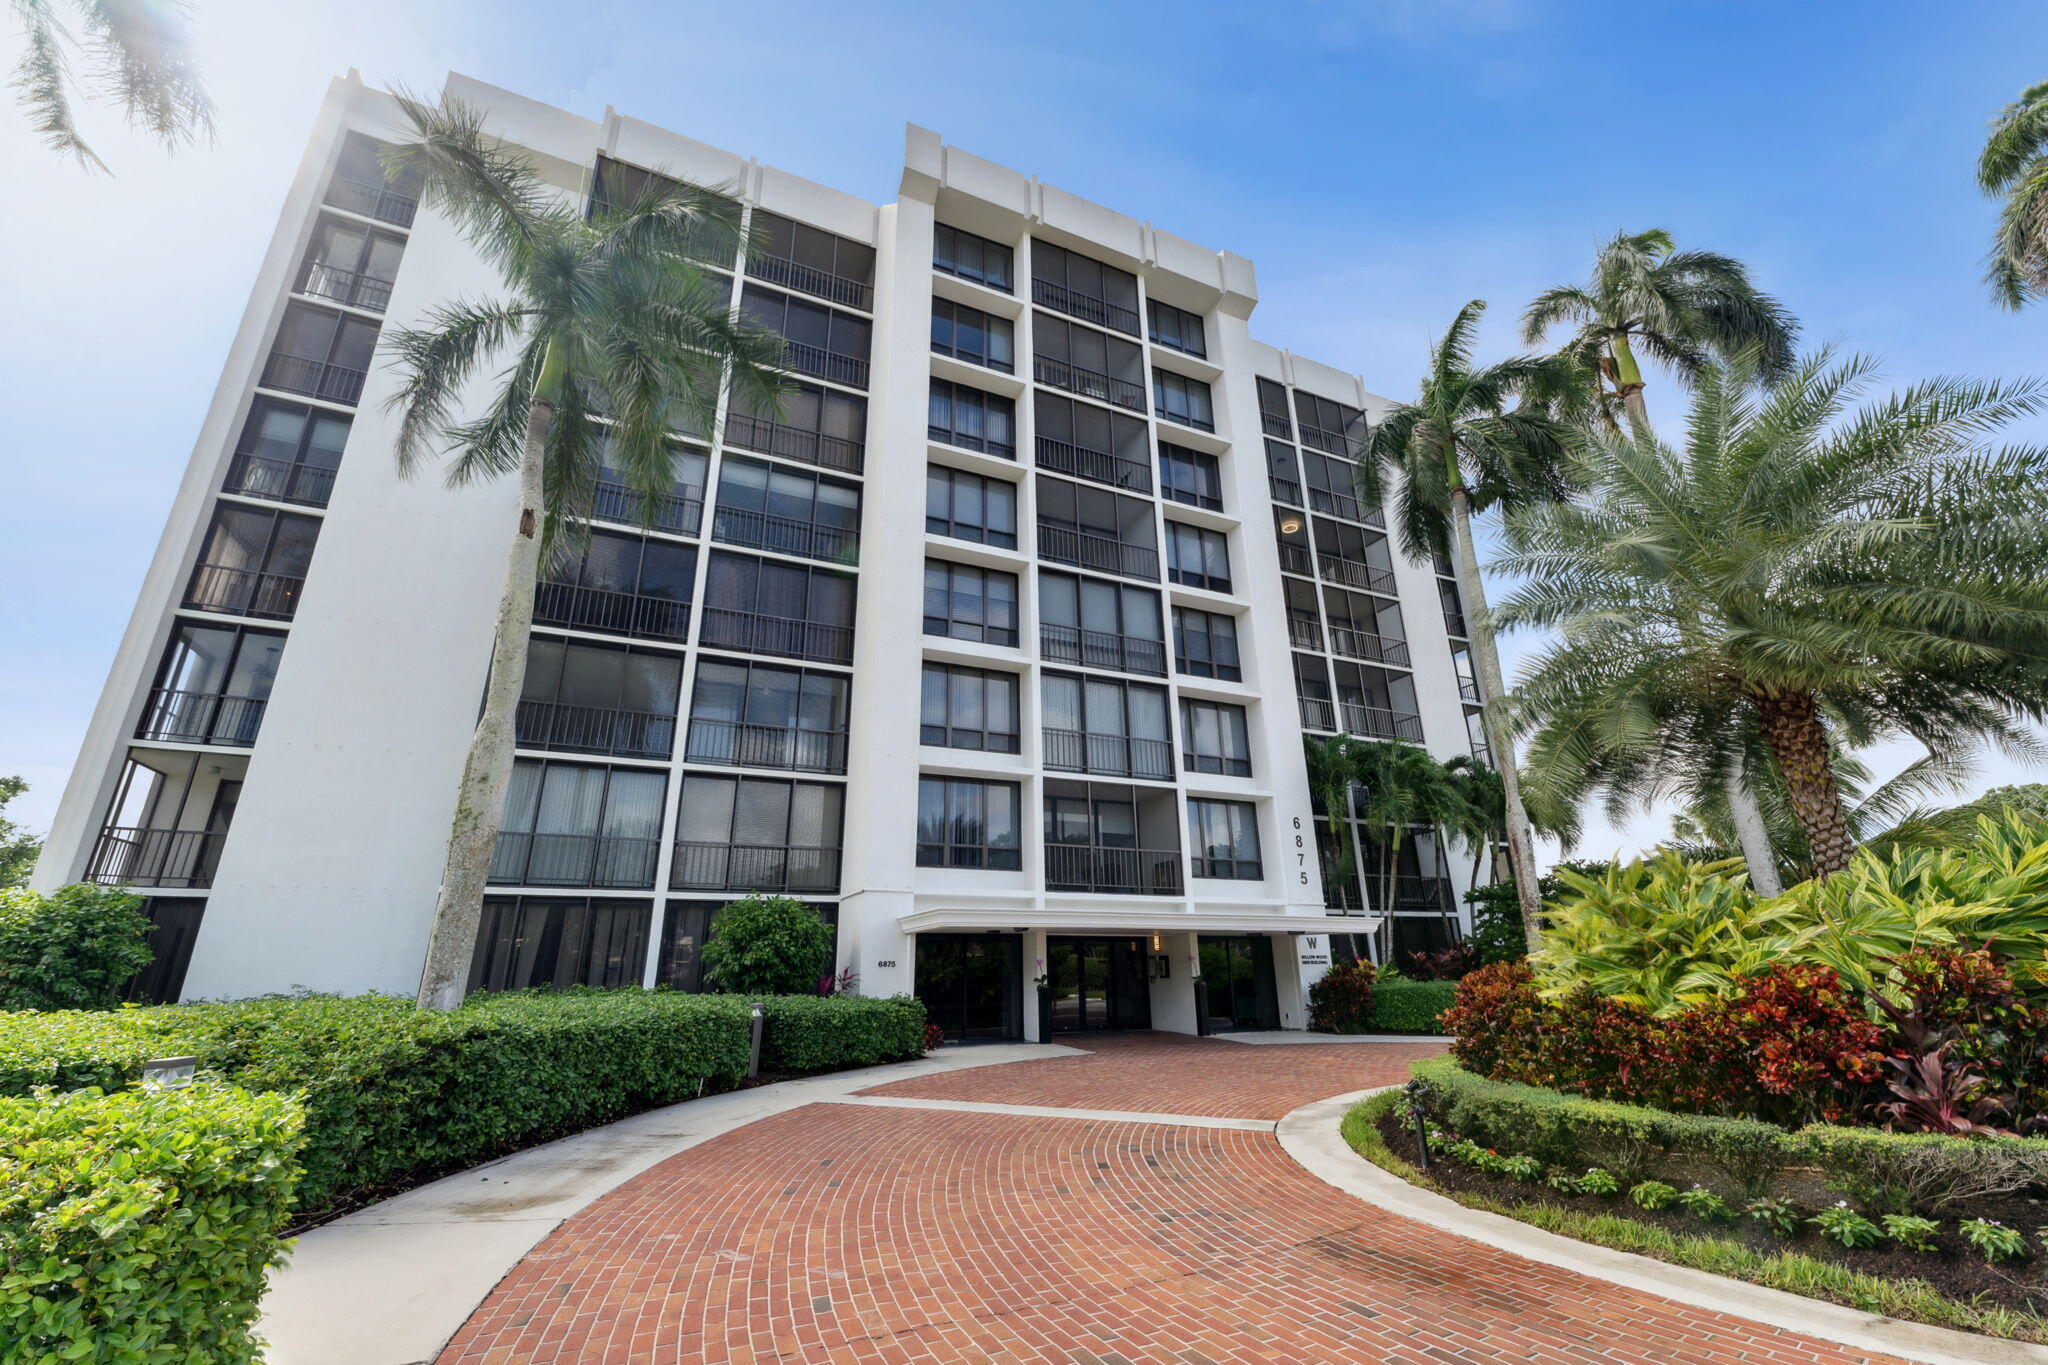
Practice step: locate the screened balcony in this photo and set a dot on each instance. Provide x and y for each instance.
(757, 834)
(579, 825)
(1111, 840)
(168, 821)
(359, 184)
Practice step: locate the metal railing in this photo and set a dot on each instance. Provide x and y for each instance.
(786, 535)
(1454, 622)
(1332, 442)
(1296, 559)
(1062, 374)
(794, 443)
(1113, 871)
(1380, 722)
(1081, 751)
(1359, 644)
(372, 293)
(1101, 649)
(1285, 490)
(1065, 545)
(243, 592)
(1086, 307)
(133, 855)
(181, 717)
(594, 860)
(743, 744)
(1341, 505)
(1352, 573)
(1304, 633)
(1273, 424)
(811, 280)
(372, 201)
(316, 378)
(612, 613)
(753, 867)
(679, 513)
(751, 631)
(1099, 465)
(1468, 690)
(262, 476)
(1318, 714)
(1414, 893)
(594, 729)
(850, 370)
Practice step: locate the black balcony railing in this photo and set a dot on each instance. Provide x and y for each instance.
(811, 280)
(1354, 574)
(1454, 622)
(793, 443)
(678, 513)
(612, 613)
(1359, 644)
(1077, 751)
(372, 201)
(557, 725)
(1305, 633)
(1099, 465)
(1296, 559)
(786, 535)
(1088, 383)
(1468, 690)
(1273, 424)
(243, 592)
(180, 717)
(1065, 545)
(743, 744)
(129, 855)
(1379, 722)
(1113, 871)
(1086, 307)
(850, 370)
(1101, 649)
(1334, 442)
(1415, 893)
(753, 867)
(593, 860)
(316, 378)
(1285, 490)
(1318, 714)
(255, 475)
(372, 293)
(758, 634)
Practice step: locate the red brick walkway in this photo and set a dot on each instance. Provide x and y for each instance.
(844, 1232)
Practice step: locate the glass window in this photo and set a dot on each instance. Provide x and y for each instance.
(964, 602)
(1183, 400)
(961, 253)
(969, 708)
(971, 335)
(962, 822)
(822, 341)
(1091, 442)
(1198, 557)
(1088, 362)
(576, 824)
(1225, 840)
(583, 697)
(772, 507)
(1329, 425)
(757, 834)
(212, 685)
(751, 715)
(1213, 738)
(252, 562)
(1082, 287)
(820, 426)
(970, 507)
(1178, 328)
(1190, 476)
(1099, 725)
(972, 419)
(1205, 644)
(1100, 624)
(811, 259)
(531, 941)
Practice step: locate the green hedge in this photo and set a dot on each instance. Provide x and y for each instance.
(1403, 1006)
(137, 1227)
(814, 1033)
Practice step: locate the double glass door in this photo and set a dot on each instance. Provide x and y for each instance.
(1238, 971)
(972, 984)
(1098, 983)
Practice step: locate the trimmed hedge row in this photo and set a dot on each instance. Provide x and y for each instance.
(137, 1227)
(818, 1033)
(1921, 1173)
(1404, 1006)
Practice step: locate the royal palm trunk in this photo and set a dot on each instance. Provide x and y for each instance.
(1751, 833)
(1791, 726)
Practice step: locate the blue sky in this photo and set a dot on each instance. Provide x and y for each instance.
(1381, 161)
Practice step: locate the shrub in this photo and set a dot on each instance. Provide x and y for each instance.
(1920, 1172)
(812, 1033)
(1969, 998)
(1403, 1006)
(1914, 1234)
(1445, 964)
(1493, 1015)
(1780, 1215)
(138, 1226)
(1653, 1195)
(1341, 1000)
(1844, 1225)
(71, 950)
(1993, 1240)
(767, 945)
(1703, 1204)
(1597, 1181)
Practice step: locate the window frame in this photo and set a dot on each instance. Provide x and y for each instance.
(987, 631)
(990, 856)
(949, 734)
(1242, 820)
(950, 525)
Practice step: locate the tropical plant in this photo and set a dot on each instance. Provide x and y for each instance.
(1477, 811)
(1911, 1231)
(617, 335)
(73, 949)
(1330, 767)
(19, 849)
(2014, 164)
(767, 945)
(140, 56)
(1993, 1240)
(1840, 1223)
(1455, 453)
(1397, 787)
(1829, 576)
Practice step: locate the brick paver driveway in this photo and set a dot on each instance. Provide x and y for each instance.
(924, 1231)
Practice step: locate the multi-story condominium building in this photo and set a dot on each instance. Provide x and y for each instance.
(996, 641)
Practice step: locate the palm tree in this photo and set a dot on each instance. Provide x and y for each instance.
(1822, 575)
(1679, 308)
(1475, 821)
(1399, 786)
(1331, 769)
(1455, 452)
(2014, 164)
(610, 317)
(141, 55)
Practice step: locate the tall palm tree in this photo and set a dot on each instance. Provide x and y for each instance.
(2014, 164)
(1822, 574)
(1679, 308)
(141, 55)
(1399, 786)
(1451, 455)
(1481, 807)
(1331, 770)
(616, 334)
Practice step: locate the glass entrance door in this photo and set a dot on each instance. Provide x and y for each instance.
(972, 985)
(1238, 971)
(1098, 983)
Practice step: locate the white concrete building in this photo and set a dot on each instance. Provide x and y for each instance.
(996, 643)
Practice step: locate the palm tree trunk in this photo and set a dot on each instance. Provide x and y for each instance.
(1628, 378)
(1389, 853)
(473, 834)
(1791, 726)
(1751, 834)
(1499, 738)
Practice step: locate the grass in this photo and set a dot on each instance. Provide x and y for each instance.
(1911, 1300)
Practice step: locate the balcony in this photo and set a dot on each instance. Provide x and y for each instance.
(561, 727)
(1468, 690)
(372, 200)
(794, 443)
(1346, 506)
(1416, 893)
(1088, 383)
(1318, 714)
(1101, 649)
(1276, 424)
(1098, 465)
(128, 855)
(613, 613)
(786, 535)
(754, 633)
(1086, 307)
(1332, 442)
(314, 378)
(574, 860)
(356, 288)
(179, 717)
(677, 513)
(753, 867)
(741, 744)
(849, 370)
(255, 475)
(1454, 623)
(1107, 554)
(1285, 490)
(244, 592)
(1380, 723)
(1305, 632)
(1359, 644)
(1353, 574)
(1113, 871)
(1296, 559)
(1076, 751)
(811, 280)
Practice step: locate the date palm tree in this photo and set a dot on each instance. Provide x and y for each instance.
(615, 334)
(1822, 575)
(1679, 308)
(141, 56)
(2014, 164)
(1456, 452)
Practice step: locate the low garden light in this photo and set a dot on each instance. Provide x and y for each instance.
(169, 1073)
(1415, 1092)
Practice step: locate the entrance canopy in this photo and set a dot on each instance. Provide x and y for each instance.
(1125, 919)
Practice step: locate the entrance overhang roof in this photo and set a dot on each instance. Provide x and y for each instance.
(1087, 919)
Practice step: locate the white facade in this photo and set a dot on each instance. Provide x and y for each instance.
(320, 868)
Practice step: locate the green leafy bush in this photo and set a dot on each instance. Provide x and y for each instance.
(1703, 1204)
(71, 950)
(1780, 1215)
(1341, 1000)
(815, 1033)
(1914, 1234)
(1993, 1240)
(767, 945)
(137, 1227)
(1404, 1006)
(1653, 1195)
(1842, 1224)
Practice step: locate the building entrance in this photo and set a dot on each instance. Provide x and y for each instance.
(1098, 983)
(1238, 971)
(972, 985)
